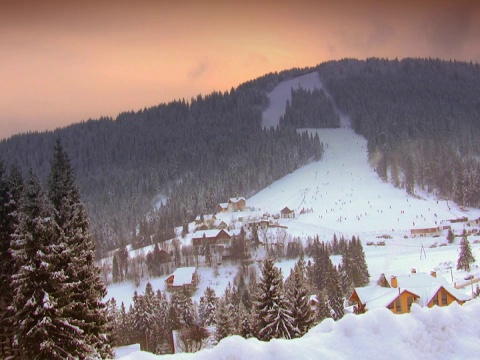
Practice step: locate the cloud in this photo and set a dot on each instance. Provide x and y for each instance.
(198, 69)
(373, 37)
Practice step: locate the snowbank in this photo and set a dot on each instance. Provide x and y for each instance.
(436, 333)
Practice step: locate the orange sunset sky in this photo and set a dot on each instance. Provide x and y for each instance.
(67, 61)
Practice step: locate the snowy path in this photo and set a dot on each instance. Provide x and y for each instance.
(282, 92)
(346, 195)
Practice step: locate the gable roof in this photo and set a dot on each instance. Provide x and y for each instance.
(206, 217)
(375, 296)
(286, 210)
(183, 276)
(427, 286)
(236, 200)
(209, 233)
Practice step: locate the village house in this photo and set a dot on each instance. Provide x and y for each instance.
(237, 204)
(207, 219)
(371, 297)
(222, 207)
(286, 213)
(398, 293)
(218, 240)
(424, 232)
(432, 290)
(182, 279)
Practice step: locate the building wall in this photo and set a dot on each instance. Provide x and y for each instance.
(439, 302)
(404, 308)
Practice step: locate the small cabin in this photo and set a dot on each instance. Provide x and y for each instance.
(182, 279)
(286, 213)
(434, 231)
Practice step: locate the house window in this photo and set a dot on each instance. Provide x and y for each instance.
(398, 305)
(435, 299)
(409, 302)
(444, 298)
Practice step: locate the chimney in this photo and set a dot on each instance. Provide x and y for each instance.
(433, 274)
(413, 271)
(393, 281)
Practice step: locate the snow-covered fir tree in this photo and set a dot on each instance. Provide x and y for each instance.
(297, 292)
(465, 258)
(274, 318)
(359, 268)
(335, 296)
(208, 307)
(41, 298)
(86, 290)
(224, 322)
(323, 310)
(11, 188)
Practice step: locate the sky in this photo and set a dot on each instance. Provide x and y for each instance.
(66, 61)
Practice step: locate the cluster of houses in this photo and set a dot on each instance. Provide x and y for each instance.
(398, 293)
(443, 229)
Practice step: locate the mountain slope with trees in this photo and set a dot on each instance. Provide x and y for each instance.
(196, 153)
(421, 118)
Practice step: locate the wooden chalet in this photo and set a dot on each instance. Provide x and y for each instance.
(182, 279)
(286, 213)
(432, 290)
(222, 207)
(237, 204)
(424, 232)
(371, 297)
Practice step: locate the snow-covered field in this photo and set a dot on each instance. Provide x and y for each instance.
(345, 196)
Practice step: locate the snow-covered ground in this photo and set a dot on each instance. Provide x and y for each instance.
(345, 196)
(437, 333)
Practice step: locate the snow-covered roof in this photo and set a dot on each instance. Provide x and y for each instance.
(209, 233)
(223, 205)
(205, 217)
(237, 199)
(218, 222)
(375, 296)
(183, 276)
(427, 286)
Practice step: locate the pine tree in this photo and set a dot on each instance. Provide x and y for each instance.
(272, 308)
(450, 236)
(40, 297)
(465, 257)
(323, 309)
(335, 296)
(11, 188)
(115, 269)
(208, 307)
(86, 289)
(247, 329)
(360, 274)
(223, 320)
(299, 299)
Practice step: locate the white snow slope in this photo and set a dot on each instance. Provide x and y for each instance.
(437, 333)
(347, 197)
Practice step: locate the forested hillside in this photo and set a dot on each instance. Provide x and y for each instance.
(421, 119)
(196, 153)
